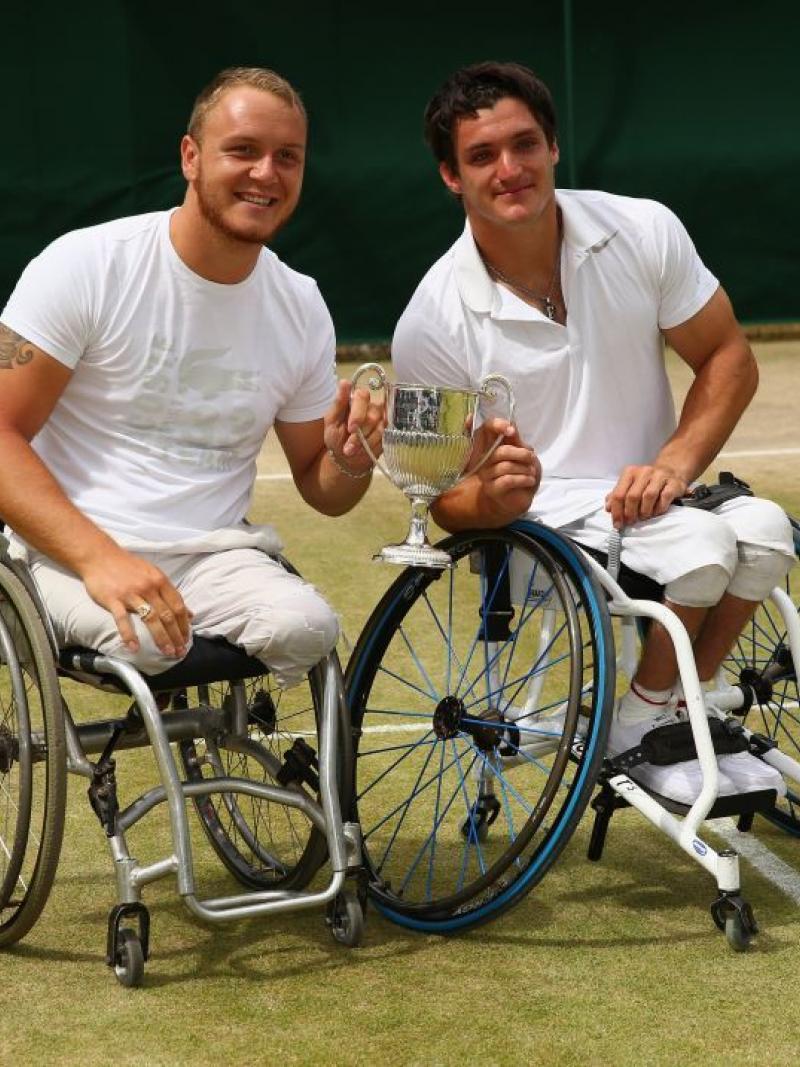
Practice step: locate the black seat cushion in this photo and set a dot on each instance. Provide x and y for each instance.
(210, 659)
(637, 586)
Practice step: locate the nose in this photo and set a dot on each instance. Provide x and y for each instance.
(263, 169)
(507, 165)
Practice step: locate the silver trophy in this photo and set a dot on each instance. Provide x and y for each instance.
(426, 445)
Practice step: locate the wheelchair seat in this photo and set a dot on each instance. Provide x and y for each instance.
(210, 659)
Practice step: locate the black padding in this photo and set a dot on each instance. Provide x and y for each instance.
(637, 586)
(208, 660)
(674, 743)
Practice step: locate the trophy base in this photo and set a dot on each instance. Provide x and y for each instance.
(415, 556)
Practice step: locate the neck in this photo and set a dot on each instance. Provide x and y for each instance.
(207, 251)
(526, 253)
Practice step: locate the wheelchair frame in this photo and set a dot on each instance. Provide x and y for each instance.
(146, 724)
(730, 911)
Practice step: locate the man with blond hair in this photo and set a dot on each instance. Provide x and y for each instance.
(143, 362)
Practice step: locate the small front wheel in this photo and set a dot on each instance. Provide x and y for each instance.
(346, 919)
(737, 933)
(129, 961)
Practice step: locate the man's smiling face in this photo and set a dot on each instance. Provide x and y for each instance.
(246, 165)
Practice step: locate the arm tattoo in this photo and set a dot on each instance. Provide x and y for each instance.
(14, 349)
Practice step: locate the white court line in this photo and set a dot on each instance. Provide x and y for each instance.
(786, 878)
(756, 452)
(753, 453)
(288, 477)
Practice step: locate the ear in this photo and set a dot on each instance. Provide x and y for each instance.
(451, 180)
(555, 155)
(190, 154)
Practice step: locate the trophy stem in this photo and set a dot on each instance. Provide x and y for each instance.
(418, 528)
(416, 550)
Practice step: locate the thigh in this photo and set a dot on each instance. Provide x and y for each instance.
(222, 588)
(79, 620)
(759, 522)
(666, 547)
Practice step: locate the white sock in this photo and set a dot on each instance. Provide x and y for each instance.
(639, 703)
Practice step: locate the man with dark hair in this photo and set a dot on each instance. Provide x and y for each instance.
(143, 363)
(571, 295)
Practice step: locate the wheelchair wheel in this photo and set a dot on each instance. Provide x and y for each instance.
(33, 770)
(481, 700)
(761, 658)
(266, 845)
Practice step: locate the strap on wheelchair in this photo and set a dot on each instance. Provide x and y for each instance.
(708, 497)
(674, 743)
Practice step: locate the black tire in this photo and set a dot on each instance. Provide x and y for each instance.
(129, 962)
(346, 919)
(431, 689)
(761, 655)
(263, 844)
(33, 770)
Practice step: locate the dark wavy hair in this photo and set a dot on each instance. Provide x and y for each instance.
(481, 86)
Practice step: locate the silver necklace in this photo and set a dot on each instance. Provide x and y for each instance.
(546, 299)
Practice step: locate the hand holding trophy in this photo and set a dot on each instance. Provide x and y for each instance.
(426, 447)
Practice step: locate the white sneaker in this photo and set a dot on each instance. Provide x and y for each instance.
(680, 782)
(750, 774)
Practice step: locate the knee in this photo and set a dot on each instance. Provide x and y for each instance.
(758, 572)
(291, 641)
(700, 588)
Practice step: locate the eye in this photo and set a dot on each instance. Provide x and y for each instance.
(289, 155)
(483, 155)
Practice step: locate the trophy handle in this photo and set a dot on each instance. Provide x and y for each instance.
(487, 390)
(379, 381)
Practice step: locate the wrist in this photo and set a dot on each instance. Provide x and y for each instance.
(343, 467)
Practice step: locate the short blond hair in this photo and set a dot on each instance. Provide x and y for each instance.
(254, 77)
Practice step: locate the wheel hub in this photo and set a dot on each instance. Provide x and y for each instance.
(447, 717)
(9, 749)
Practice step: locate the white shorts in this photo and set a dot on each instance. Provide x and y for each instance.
(240, 594)
(683, 540)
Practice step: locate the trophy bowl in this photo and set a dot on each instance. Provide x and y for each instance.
(426, 448)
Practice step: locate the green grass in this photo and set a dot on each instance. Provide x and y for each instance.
(616, 962)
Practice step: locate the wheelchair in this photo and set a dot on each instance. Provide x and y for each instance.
(222, 735)
(481, 699)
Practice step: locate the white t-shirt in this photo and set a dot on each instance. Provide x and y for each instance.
(176, 379)
(592, 396)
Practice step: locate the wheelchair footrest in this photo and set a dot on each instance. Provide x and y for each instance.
(674, 743)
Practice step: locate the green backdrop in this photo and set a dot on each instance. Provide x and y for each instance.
(696, 104)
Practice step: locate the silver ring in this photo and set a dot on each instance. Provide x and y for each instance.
(144, 609)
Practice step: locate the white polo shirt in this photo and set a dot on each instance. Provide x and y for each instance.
(592, 396)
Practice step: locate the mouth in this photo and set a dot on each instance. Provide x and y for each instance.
(259, 201)
(516, 190)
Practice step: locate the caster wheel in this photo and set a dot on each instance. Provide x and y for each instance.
(737, 933)
(129, 962)
(346, 919)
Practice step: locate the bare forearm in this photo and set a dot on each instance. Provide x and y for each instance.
(720, 393)
(469, 507)
(35, 506)
(327, 489)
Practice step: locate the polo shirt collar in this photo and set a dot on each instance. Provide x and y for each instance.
(583, 235)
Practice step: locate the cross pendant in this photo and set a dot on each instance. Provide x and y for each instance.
(549, 308)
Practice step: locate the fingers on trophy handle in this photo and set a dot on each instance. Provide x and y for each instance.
(377, 381)
(487, 390)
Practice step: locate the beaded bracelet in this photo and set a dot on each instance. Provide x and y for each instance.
(340, 467)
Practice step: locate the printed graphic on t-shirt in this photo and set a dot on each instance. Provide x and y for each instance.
(199, 400)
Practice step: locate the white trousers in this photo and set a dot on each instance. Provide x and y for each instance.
(240, 594)
(741, 540)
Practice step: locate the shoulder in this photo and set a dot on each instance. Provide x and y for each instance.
(285, 287)
(613, 211)
(96, 244)
(436, 294)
